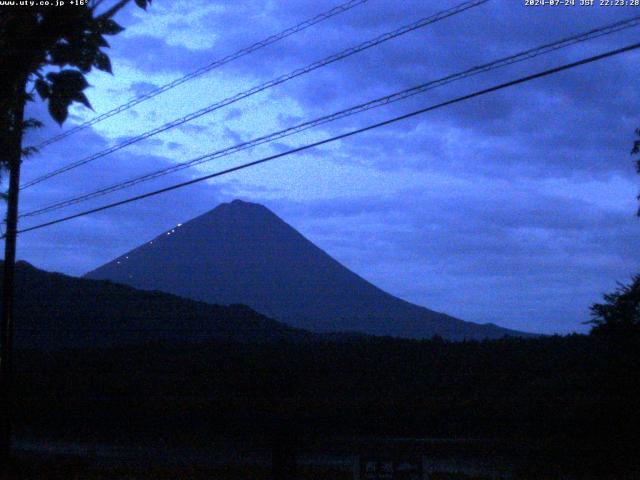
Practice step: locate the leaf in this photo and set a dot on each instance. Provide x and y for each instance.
(58, 110)
(82, 98)
(68, 80)
(107, 26)
(102, 62)
(85, 59)
(99, 40)
(66, 87)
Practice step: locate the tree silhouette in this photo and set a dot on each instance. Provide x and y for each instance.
(620, 313)
(49, 50)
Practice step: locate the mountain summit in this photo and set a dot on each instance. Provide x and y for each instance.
(241, 252)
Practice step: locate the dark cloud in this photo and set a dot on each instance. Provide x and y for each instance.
(232, 135)
(142, 88)
(233, 114)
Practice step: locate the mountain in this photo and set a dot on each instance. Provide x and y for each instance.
(54, 311)
(241, 252)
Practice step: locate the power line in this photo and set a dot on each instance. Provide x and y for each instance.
(259, 88)
(207, 68)
(478, 93)
(386, 100)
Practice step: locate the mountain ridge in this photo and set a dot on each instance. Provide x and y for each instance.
(54, 311)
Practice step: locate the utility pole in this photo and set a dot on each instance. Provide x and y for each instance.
(14, 157)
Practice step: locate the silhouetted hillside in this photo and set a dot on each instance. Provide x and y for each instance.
(54, 310)
(243, 253)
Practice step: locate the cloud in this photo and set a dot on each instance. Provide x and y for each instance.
(142, 88)
(233, 114)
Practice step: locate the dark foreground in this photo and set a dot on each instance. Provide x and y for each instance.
(73, 470)
(64, 470)
(559, 407)
(79, 469)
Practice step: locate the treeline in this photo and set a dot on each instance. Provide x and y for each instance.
(581, 387)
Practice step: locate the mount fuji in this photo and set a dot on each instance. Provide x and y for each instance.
(242, 253)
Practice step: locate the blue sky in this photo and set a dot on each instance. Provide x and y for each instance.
(516, 208)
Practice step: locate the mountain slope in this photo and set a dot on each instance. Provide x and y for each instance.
(56, 311)
(241, 252)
